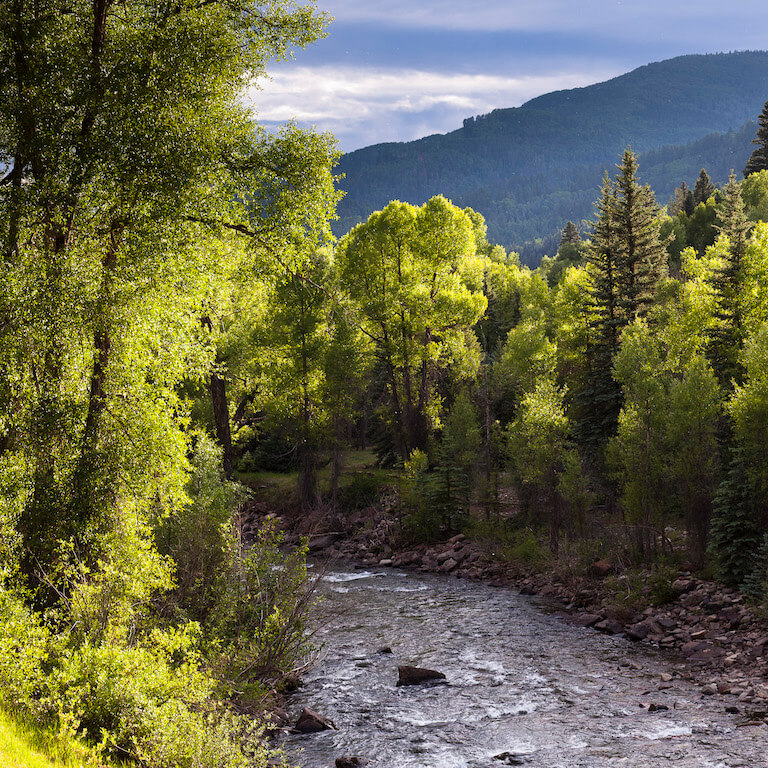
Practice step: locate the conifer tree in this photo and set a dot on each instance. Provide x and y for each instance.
(641, 253)
(627, 259)
(727, 335)
(570, 235)
(703, 189)
(682, 201)
(758, 160)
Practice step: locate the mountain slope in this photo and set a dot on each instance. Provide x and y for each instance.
(530, 168)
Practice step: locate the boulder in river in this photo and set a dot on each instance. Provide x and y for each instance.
(311, 722)
(319, 543)
(350, 762)
(610, 626)
(416, 675)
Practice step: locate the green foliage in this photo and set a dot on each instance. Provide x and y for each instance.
(251, 601)
(660, 585)
(24, 648)
(748, 408)
(418, 520)
(735, 536)
(362, 490)
(449, 488)
(758, 160)
(404, 269)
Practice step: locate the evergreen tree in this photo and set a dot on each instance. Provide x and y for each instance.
(728, 334)
(570, 235)
(627, 259)
(758, 160)
(682, 201)
(735, 536)
(703, 189)
(641, 252)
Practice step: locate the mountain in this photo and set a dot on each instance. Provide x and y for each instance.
(531, 168)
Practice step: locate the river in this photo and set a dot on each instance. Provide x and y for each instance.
(523, 686)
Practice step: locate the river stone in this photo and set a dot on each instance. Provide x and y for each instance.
(510, 758)
(638, 631)
(586, 619)
(415, 675)
(311, 722)
(448, 565)
(610, 626)
(322, 542)
(350, 762)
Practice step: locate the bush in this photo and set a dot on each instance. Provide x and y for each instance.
(361, 491)
(252, 604)
(660, 585)
(24, 646)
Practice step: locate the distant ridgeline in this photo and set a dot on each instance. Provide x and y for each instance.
(530, 169)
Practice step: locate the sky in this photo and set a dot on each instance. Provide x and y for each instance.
(397, 70)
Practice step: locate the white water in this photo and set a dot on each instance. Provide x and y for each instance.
(520, 681)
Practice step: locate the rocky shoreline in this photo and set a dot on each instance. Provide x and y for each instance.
(720, 638)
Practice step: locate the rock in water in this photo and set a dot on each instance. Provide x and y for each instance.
(416, 675)
(312, 722)
(350, 762)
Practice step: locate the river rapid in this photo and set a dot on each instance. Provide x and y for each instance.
(523, 686)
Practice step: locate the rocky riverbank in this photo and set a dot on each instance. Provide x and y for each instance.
(723, 639)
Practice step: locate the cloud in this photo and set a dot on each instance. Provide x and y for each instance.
(368, 105)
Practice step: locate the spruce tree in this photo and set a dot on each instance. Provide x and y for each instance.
(598, 402)
(703, 189)
(726, 338)
(570, 235)
(642, 255)
(627, 259)
(758, 160)
(735, 536)
(682, 201)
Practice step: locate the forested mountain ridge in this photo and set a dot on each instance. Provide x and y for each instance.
(529, 169)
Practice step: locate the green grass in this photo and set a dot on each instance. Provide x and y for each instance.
(284, 483)
(26, 746)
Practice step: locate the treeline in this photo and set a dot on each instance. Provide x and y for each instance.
(530, 168)
(620, 386)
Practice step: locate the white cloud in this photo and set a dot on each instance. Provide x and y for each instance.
(364, 105)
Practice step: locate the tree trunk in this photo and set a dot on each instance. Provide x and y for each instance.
(218, 390)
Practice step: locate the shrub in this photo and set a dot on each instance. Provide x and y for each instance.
(252, 603)
(24, 646)
(361, 491)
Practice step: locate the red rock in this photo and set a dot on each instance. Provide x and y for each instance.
(311, 722)
(610, 626)
(586, 619)
(601, 568)
(416, 675)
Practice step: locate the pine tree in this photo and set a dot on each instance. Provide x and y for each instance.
(703, 189)
(735, 536)
(627, 259)
(758, 160)
(728, 334)
(642, 255)
(570, 234)
(682, 201)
